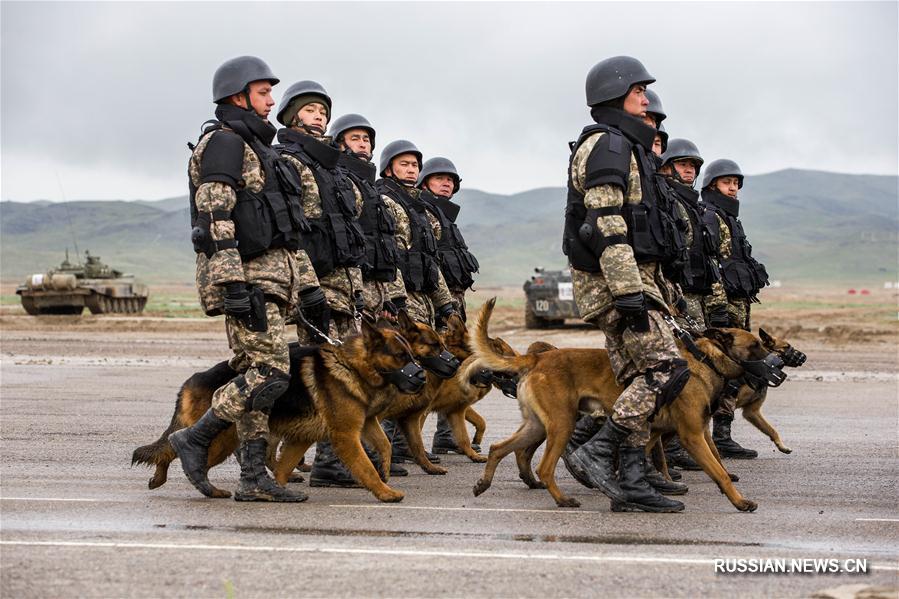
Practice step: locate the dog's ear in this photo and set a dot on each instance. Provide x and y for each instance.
(407, 325)
(381, 323)
(767, 340)
(723, 338)
(455, 324)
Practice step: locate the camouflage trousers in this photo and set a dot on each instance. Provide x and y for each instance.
(738, 310)
(252, 351)
(632, 355)
(420, 308)
(459, 300)
(342, 326)
(728, 405)
(695, 310)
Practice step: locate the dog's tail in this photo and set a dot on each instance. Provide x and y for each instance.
(487, 356)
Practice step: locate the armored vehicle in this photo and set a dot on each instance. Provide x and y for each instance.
(549, 299)
(70, 287)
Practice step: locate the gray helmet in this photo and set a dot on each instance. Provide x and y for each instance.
(236, 74)
(655, 106)
(613, 77)
(394, 149)
(301, 88)
(439, 165)
(351, 121)
(664, 135)
(722, 168)
(681, 148)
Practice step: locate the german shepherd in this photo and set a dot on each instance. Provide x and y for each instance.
(553, 385)
(335, 391)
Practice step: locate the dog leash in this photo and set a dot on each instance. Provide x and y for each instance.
(687, 339)
(309, 325)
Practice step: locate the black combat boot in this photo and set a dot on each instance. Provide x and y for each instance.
(727, 447)
(191, 444)
(584, 429)
(444, 442)
(662, 484)
(255, 482)
(328, 470)
(374, 456)
(594, 461)
(638, 493)
(400, 448)
(677, 456)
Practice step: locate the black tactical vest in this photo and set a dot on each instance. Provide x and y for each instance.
(336, 238)
(420, 264)
(699, 271)
(456, 262)
(268, 219)
(378, 225)
(743, 275)
(652, 231)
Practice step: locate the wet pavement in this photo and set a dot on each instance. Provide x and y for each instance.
(77, 519)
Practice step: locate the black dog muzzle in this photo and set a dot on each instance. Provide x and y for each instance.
(507, 383)
(792, 357)
(482, 378)
(443, 364)
(768, 372)
(408, 379)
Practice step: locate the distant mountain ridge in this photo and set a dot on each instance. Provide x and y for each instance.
(804, 225)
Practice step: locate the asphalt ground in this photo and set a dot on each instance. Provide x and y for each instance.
(77, 520)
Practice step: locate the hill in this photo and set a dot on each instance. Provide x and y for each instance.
(806, 226)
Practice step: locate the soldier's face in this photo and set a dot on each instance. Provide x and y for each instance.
(357, 141)
(405, 168)
(686, 169)
(260, 98)
(635, 102)
(657, 145)
(314, 114)
(440, 185)
(729, 186)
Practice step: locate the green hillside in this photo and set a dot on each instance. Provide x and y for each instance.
(807, 226)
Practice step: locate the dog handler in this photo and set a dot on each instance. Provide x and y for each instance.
(612, 222)
(247, 269)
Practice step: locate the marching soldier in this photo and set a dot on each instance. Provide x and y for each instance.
(743, 277)
(655, 114)
(612, 227)
(247, 269)
(440, 181)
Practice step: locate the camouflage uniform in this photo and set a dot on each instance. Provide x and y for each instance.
(421, 306)
(631, 354)
(339, 285)
(276, 272)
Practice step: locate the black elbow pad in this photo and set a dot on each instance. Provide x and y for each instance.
(222, 159)
(609, 162)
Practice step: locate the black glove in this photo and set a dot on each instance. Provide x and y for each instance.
(390, 308)
(632, 307)
(399, 303)
(315, 309)
(680, 304)
(719, 318)
(358, 302)
(443, 313)
(237, 300)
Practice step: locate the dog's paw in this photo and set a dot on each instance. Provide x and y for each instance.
(478, 458)
(436, 470)
(391, 496)
(480, 486)
(568, 502)
(220, 493)
(747, 506)
(784, 449)
(533, 483)
(296, 477)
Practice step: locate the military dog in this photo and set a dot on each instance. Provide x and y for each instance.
(335, 392)
(555, 384)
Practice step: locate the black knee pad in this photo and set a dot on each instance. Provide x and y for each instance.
(263, 397)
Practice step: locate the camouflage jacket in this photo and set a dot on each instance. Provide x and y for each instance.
(620, 274)
(277, 271)
(421, 306)
(339, 285)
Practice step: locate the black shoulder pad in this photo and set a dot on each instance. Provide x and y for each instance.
(222, 159)
(610, 162)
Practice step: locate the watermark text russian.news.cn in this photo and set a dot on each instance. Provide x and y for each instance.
(802, 565)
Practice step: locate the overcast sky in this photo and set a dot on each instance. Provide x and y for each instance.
(105, 96)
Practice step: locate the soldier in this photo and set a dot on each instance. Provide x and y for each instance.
(418, 231)
(246, 269)
(336, 244)
(383, 289)
(613, 221)
(743, 277)
(440, 181)
(655, 114)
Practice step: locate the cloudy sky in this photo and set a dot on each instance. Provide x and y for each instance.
(100, 99)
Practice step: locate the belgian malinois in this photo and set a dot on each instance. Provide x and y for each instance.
(335, 391)
(554, 384)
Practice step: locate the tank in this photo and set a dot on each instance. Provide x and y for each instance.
(549, 299)
(70, 288)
